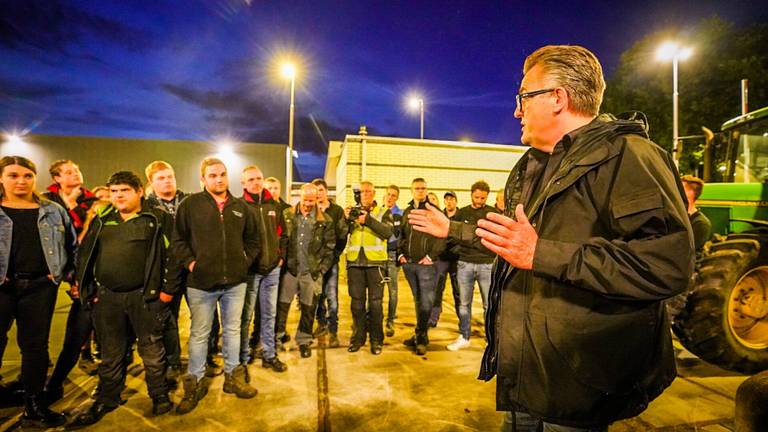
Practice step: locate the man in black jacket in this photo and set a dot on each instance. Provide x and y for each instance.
(215, 239)
(125, 275)
(310, 255)
(264, 274)
(393, 267)
(165, 194)
(417, 253)
(328, 303)
(446, 265)
(576, 326)
(474, 263)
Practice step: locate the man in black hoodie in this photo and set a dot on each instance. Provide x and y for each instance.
(215, 239)
(264, 274)
(417, 253)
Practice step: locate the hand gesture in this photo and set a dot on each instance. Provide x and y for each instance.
(431, 221)
(513, 240)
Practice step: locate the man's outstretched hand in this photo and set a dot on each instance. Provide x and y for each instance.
(431, 221)
(512, 240)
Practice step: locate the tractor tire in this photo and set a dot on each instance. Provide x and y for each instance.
(725, 317)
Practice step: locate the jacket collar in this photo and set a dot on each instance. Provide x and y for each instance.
(265, 197)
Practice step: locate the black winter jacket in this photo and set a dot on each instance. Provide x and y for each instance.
(321, 253)
(222, 244)
(473, 251)
(582, 339)
(415, 245)
(340, 229)
(273, 237)
(162, 273)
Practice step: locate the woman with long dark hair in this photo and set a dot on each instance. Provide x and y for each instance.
(36, 247)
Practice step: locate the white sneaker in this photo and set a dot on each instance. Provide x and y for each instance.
(459, 343)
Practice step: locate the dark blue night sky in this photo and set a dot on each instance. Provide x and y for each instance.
(203, 70)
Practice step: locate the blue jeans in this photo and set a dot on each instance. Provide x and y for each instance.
(202, 304)
(392, 272)
(262, 289)
(423, 281)
(467, 273)
(524, 422)
(329, 314)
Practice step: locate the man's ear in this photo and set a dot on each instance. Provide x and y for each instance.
(561, 100)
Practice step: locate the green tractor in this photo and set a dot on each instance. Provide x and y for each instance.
(724, 317)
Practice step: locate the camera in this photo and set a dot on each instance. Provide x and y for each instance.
(354, 212)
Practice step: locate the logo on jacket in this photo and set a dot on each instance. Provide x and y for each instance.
(237, 213)
(271, 213)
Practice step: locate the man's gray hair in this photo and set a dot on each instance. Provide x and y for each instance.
(577, 70)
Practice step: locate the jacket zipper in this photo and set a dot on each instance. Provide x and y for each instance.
(223, 242)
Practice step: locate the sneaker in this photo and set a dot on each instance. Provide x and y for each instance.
(275, 364)
(333, 342)
(235, 383)
(390, 329)
(459, 343)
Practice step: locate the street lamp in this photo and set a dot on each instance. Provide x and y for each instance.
(672, 51)
(289, 71)
(417, 103)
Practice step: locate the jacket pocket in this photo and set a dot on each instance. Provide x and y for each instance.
(605, 352)
(639, 214)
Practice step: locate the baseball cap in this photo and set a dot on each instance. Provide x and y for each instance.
(450, 193)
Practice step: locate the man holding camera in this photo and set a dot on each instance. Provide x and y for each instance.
(370, 228)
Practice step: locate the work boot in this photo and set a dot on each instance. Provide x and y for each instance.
(88, 365)
(410, 342)
(52, 393)
(257, 352)
(37, 414)
(333, 342)
(275, 364)
(235, 383)
(390, 329)
(320, 330)
(91, 416)
(161, 405)
(194, 391)
(212, 368)
(305, 351)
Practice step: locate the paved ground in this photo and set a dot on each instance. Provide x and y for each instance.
(396, 391)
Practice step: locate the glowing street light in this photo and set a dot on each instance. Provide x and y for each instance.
(289, 72)
(666, 52)
(417, 103)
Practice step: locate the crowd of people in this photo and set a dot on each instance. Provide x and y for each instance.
(589, 237)
(131, 250)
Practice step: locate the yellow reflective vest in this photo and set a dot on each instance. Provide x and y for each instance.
(375, 248)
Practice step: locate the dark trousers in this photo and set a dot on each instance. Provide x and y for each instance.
(423, 282)
(78, 331)
(116, 316)
(370, 281)
(215, 336)
(445, 269)
(31, 304)
(171, 332)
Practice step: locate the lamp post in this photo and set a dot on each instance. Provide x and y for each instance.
(417, 103)
(672, 51)
(289, 71)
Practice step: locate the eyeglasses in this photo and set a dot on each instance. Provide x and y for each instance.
(520, 96)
